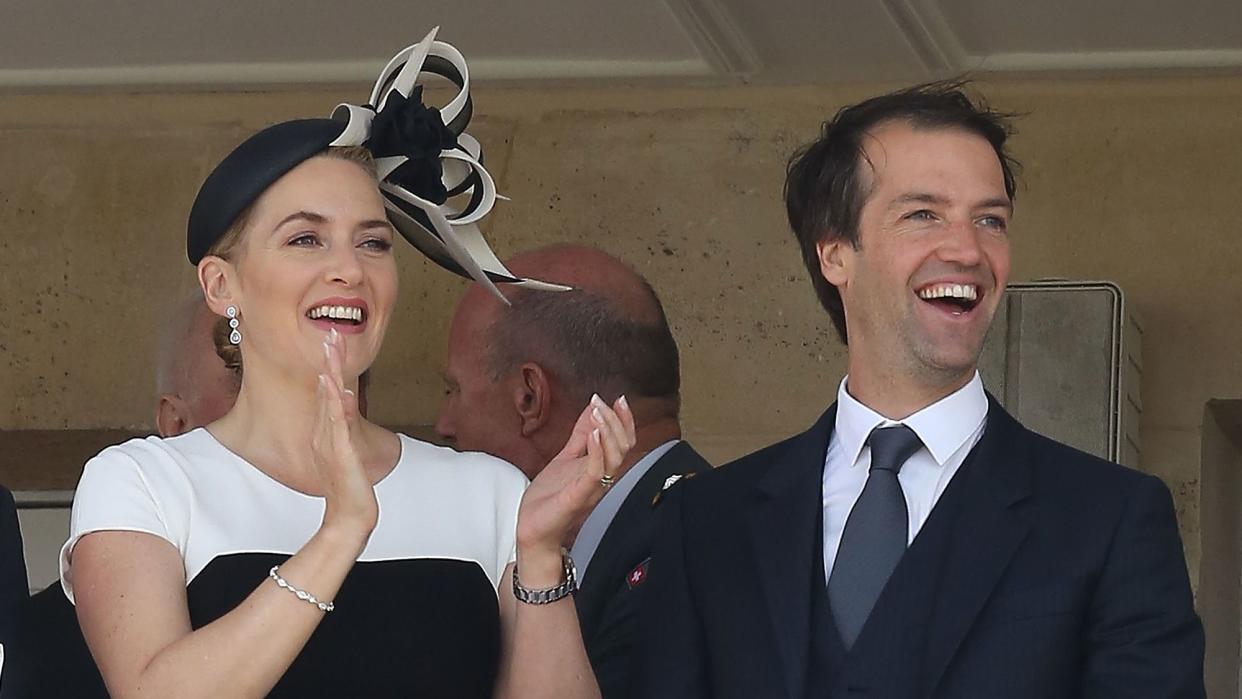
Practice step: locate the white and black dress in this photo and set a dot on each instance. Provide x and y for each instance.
(418, 616)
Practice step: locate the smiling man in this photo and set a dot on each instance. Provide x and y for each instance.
(917, 541)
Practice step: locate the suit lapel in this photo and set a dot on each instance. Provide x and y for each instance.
(629, 534)
(783, 518)
(986, 533)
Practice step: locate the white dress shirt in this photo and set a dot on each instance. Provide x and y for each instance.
(949, 429)
(597, 523)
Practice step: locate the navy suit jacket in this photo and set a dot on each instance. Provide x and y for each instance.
(14, 587)
(1042, 572)
(611, 594)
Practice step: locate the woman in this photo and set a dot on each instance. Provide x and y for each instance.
(292, 548)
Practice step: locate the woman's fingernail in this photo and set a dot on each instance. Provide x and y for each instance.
(332, 333)
(596, 400)
(599, 417)
(595, 435)
(322, 381)
(327, 350)
(349, 392)
(624, 403)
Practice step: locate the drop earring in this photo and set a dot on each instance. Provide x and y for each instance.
(235, 335)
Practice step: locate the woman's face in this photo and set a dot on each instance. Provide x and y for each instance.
(316, 254)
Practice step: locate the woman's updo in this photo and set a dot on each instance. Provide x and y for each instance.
(228, 248)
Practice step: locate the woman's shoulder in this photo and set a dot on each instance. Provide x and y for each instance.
(431, 460)
(154, 453)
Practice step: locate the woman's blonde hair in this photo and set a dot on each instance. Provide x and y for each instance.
(228, 245)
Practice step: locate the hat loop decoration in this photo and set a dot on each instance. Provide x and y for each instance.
(424, 157)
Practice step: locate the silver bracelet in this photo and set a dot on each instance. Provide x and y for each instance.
(301, 594)
(551, 594)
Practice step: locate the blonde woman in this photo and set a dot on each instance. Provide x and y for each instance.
(292, 548)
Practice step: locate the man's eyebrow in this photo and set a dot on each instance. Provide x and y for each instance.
(918, 197)
(927, 198)
(996, 203)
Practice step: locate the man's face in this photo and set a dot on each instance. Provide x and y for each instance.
(477, 413)
(933, 260)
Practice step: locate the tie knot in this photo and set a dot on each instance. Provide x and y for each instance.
(892, 446)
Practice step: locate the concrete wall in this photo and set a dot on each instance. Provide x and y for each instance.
(1220, 589)
(1133, 180)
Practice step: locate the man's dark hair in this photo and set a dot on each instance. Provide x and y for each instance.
(589, 345)
(824, 192)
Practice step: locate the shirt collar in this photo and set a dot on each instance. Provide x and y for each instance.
(943, 426)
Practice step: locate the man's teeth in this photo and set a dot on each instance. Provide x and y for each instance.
(336, 313)
(968, 292)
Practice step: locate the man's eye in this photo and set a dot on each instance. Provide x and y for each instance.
(993, 222)
(921, 215)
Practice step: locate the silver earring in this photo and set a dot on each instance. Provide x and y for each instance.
(235, 336)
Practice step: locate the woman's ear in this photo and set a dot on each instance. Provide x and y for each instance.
(217, 278)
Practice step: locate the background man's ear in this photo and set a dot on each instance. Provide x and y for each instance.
(532, 397)
(172, 416)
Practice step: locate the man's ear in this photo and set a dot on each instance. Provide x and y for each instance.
(836, 257)
(216, 278)
(172, 416)
(532, 398)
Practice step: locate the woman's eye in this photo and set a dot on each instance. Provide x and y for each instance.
(377, 244)
(304, 240)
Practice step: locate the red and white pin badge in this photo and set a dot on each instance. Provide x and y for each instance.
(638, 575)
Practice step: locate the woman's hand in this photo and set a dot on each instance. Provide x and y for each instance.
(565, 492)
(348, 493)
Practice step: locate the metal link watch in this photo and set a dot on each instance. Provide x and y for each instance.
(551, 594)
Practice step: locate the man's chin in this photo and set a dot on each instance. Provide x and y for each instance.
(951, 364)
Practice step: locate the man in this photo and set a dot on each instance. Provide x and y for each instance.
(916, 541)
(518, 376)
(195, 388)
(14, 586)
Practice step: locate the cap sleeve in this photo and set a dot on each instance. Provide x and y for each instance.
(124, 488)
(512, 484)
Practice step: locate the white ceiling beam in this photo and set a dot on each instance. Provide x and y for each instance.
(335, 72)
(717, 36)
(1107, 60)
(929, 35)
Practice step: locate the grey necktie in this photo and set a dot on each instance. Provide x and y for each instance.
(875, 535)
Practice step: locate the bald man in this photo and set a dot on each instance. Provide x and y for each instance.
(519, 376)
(195, 387)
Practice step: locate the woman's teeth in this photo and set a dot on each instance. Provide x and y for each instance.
(347, 313)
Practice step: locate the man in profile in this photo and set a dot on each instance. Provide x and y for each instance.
(917, 541)
(518, 376)
(195, 388)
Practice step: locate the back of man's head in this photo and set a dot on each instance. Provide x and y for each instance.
(195, 387)
(520, 375)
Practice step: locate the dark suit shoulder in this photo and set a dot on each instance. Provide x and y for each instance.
(738, 476)
(1060, 467)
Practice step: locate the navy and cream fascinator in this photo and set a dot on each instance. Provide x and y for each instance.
(424, 158)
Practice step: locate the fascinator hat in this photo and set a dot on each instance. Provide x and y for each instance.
(423, 158)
